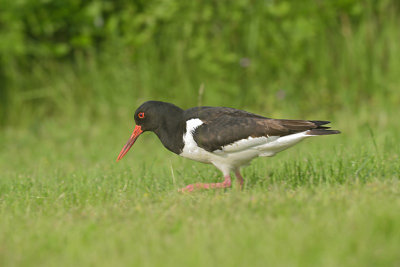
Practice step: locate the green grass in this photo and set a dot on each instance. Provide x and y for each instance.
(329, 201)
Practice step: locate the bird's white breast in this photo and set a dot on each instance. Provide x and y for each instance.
(191, 149)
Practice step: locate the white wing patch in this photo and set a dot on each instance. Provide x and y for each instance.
(281, 143)
(243, 144)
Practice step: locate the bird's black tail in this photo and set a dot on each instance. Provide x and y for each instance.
(321, 130)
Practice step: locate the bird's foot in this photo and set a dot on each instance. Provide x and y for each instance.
(190, 188)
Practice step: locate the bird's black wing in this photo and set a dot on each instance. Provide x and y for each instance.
(227, 128)
(212, 113)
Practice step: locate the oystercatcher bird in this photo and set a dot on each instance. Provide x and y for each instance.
(228, 138)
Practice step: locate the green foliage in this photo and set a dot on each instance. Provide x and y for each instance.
(63, 57)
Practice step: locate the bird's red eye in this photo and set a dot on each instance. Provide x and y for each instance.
(141, 115)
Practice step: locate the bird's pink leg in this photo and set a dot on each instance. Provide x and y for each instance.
(226, 183)
(239, 178)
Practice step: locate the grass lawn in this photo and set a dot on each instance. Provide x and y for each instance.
(329, 201)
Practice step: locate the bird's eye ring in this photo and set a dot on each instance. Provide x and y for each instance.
(141, 115)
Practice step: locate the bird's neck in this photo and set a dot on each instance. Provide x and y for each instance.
(171, 135)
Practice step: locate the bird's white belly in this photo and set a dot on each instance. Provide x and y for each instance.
(197, 154)
(225, 161)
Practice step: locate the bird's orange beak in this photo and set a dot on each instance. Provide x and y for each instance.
(136, 132)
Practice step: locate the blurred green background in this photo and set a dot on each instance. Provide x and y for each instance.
(101, 59)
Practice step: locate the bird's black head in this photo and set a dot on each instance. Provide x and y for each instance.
(152, 115)
(159, 117)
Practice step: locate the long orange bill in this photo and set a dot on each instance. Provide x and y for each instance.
(136, 132)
